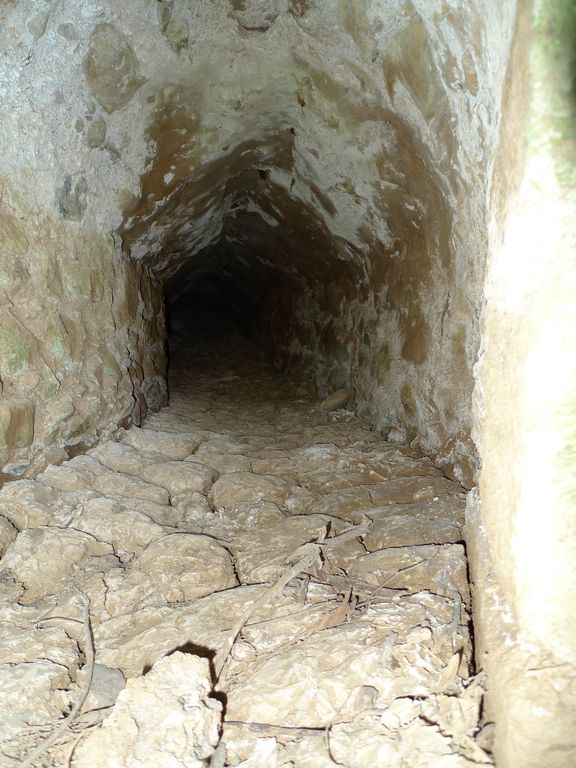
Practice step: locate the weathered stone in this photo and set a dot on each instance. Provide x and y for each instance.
(27, 504)
(178, 478)
(106, 685)
(174, 446)
(245, 486)
(254, 515)
(165, 718)
(127, 530)
(63, 552)
(223, 463)
(96, 133)
(117, 484)
(31, 694)
(68, 31)
(14, 241)
(279, 690)
(71, 197)
(258, 15)
(351, 504)
(176, 31)
(110, 67)
(26, 645)
(16, 424)
(15, 354)
(264, 560)
(173, 568)
(37, 24)
(330, 482)
(438, 568)
(336, 400)
(8, 533)
(405, 490)
(340, 177)
(123, 458)
(405, 530)
(73, 475)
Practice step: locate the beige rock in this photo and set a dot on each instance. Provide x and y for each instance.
(438, 568)
(351, 504)
(8, 533)
(42, 557)
(172, 569)
(165, 718)
(388, 469)
(342, 556)
(16, 424)
(256, 515)
(19, 645)
(336, 400)
(191, 503)
(174, 446)
(72, 476)
(111, 69)
(284, 465)
(299, 501)
(134, 641)
(404, 530)
(450, 508)
(161, 514)
(367, 741)
(410, 489)
(118, 484)
(322, 456)
(31, 694)
(312, 681)
(180, 477)
(223, 445)
(264, 558)
(125, 528)
(96, 133)
(223, 463)
(330, 482)
(246, 486)
(124, 458)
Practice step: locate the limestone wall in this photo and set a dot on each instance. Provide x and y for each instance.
(520, 531)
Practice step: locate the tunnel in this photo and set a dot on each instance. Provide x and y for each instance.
(316, 265)
(216, 221)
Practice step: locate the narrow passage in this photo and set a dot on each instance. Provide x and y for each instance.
(176, 533)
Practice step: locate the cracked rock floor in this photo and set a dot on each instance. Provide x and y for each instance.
(262, 584)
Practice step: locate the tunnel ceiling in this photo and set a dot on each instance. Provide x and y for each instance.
(309, 165)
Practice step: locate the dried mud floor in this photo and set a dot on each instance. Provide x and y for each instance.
(262, 584)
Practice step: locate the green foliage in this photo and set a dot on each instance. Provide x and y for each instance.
(554, 72)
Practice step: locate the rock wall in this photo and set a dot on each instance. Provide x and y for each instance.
(75, 327)
(520, 528)
(326, 162)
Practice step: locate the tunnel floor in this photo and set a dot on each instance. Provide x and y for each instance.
(278, 585)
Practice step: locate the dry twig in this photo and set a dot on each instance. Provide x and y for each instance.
(89, 653)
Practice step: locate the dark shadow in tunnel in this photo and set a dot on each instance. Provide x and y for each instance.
(224, 301)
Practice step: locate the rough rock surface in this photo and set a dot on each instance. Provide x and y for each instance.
(166, 718)
(363, 656)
